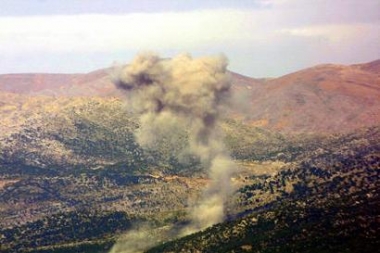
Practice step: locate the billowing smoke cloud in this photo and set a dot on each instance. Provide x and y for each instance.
(185, 93)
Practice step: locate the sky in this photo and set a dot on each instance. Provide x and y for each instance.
(261, 38)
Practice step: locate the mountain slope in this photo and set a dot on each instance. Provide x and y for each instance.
(326, 98)
(67, 147)
(323, 99)
(332, 205)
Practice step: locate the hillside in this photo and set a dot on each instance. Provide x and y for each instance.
(322, 198)
(326, 98)
(325, 202)
(322, 99)
(306, 147)
(78, 156)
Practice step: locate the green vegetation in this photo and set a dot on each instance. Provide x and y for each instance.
(332, 206)
(52, 232)
(75, 178)
(291, 227)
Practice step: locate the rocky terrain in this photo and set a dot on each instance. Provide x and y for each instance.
(73, 178)
(325, 201)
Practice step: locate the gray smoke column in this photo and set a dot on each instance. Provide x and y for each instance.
(191, 93)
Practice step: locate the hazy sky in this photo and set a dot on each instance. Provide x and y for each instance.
(261, 38)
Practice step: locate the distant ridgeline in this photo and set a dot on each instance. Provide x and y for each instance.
(323, 99)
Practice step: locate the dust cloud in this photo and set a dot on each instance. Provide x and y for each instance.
(135, 241)
(184, 93)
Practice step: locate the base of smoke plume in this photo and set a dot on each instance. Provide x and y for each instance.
(205, 215)
(210, 209)
(137, 240)
(145, 236)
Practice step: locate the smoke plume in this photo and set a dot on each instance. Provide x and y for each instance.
(184, 93)
(136, 241)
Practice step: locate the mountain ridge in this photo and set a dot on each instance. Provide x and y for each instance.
(326, 98)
